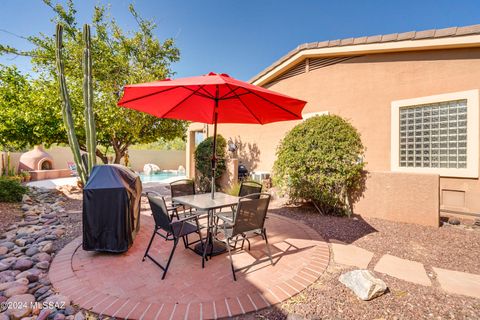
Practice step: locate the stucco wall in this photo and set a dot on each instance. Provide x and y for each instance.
(361, 90)
(165, 159)
(403, 197)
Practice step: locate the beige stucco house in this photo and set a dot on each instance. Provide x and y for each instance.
(413, 96)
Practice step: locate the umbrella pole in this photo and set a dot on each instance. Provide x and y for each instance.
(214, 151)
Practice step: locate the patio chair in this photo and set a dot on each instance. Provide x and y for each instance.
(73, 168)
(173, 229)
(249, 220)
(249, 187)
(246, 188)
(180, 188)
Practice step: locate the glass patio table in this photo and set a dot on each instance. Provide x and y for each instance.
(204, 202)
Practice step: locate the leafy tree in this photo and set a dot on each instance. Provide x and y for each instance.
(320, 160)
(27, 111)
(162, 144)
(203, 161)
(119, 58)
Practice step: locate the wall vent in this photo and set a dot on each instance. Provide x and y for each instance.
(313, 64)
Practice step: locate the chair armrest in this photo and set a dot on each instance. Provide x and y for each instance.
(152, 192)
(183, 220)
(227, 222)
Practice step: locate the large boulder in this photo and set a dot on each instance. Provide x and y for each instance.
(363, 283)
(150, 168)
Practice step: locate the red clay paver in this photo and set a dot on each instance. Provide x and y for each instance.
(123, 286)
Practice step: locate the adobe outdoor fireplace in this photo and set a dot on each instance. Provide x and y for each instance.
(40, 165)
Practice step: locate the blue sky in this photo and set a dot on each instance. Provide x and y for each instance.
(243, 37)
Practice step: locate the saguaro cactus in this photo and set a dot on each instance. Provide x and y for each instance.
(90, 132)
(67, 108)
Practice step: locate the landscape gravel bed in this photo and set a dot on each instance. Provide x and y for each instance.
(330, 299)
(27, 248)
(450, 247)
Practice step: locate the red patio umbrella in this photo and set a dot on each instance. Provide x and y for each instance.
(213, 98)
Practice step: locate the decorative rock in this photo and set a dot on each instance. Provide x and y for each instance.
(69, 310)
(59, 316)
(48, 248)
(26, 199)
(43, 265)
(24, 303)
(16, 290)
(454, 221)
(41, 291)
(32, 251)
(32, 278)
(42, 256)
(4, 266)
(21, 242)
(45, 295)
(79, 316)
(8, 244)
(28, 272)
(7, 285)
(59, 232)
(58, 300)
(363, 284)
(3, 250)
(23, 264)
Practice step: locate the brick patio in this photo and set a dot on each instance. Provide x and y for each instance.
(123, 286)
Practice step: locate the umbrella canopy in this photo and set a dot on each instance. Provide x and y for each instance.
(213, 98)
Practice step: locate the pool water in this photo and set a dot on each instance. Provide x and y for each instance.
(158, 177)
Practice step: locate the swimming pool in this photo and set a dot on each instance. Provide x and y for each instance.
(163, 176)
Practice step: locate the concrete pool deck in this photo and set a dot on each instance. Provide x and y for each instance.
(72, 181)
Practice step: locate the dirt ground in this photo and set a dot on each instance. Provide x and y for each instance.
(9, 213)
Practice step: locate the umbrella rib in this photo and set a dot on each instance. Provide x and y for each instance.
(275, 104)
(231, 91)
(183, 100)
(208, 95)
(149, 95)
(235, 96)
(241, 101)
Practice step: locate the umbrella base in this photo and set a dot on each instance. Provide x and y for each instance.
(213, 249)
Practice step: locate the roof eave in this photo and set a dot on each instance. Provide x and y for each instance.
(306, 51)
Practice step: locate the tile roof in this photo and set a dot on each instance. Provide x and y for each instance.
(393, 37)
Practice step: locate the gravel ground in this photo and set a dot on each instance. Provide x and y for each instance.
(329, 299)
(9, 213)
(447, 247)
(73, 221)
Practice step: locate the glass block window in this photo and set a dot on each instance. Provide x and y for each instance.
(434, 135)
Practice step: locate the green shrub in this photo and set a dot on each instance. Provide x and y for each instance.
(11, 190)
(320, 160)
(203, 161)
(233, 189)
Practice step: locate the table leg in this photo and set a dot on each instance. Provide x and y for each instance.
(215, 247)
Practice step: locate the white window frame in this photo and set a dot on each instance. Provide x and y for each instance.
(473, 137)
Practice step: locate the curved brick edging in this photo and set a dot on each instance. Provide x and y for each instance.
(87, 278)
